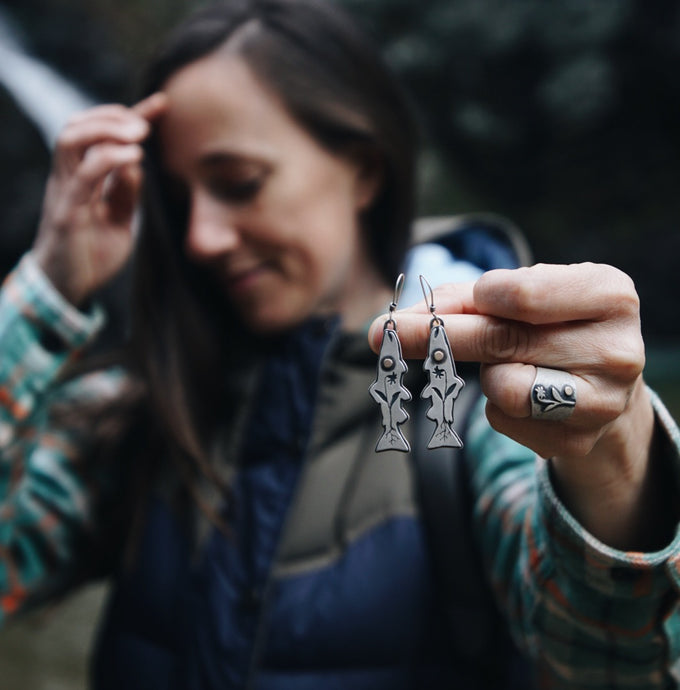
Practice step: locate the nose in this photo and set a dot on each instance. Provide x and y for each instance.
(212, 228)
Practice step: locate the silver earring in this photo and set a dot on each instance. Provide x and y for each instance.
(388, 389)
(444, 383)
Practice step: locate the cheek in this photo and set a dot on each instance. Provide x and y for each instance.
(330, 262)
(318, 205)
(321, 244)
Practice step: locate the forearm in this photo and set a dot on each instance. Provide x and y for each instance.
(591, 616)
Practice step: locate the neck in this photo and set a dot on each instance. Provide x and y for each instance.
(368, 298)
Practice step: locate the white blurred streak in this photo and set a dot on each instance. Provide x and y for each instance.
(42, 94)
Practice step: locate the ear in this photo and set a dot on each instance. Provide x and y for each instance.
(370, 177)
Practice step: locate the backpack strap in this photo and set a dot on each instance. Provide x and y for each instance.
(447, 511)
(479, 639)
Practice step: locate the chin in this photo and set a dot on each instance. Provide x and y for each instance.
(273, 316)
(271, 323)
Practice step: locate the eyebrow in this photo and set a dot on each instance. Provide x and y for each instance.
(220, 158)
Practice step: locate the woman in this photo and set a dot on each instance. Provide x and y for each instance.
(225, 473)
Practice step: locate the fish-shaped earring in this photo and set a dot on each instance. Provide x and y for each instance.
(388, 389)
(444, 383)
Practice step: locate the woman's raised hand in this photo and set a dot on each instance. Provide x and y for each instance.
(85, 232)
(582, 319)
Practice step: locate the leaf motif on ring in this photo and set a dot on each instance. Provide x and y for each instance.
(554, 399)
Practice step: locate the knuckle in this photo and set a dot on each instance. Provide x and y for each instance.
(622, 293)
(522, 292)
(505, 342)
(625, 362)
(629, 364)
(627, 303)
(499, 383)
(599, 412)
(94, 155)
(607, 409)
(67, 138)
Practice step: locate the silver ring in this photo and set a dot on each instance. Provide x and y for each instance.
(553, 394)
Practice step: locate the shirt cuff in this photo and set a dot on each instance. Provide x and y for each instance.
(74, 327)
(31, 312)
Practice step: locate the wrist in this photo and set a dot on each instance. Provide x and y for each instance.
(57, 273)
(611, 489)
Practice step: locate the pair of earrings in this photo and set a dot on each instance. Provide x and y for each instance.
(443, 387)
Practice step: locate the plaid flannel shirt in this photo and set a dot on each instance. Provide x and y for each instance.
(595, 617)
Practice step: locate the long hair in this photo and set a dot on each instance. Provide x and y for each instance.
(189, 345)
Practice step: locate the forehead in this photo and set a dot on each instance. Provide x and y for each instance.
(218, 104)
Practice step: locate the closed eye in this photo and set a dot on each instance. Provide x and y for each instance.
(233, 178)
(237, 191)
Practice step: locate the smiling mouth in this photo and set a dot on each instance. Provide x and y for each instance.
(241, 281)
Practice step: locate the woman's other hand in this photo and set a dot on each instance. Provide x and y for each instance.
(85, 233)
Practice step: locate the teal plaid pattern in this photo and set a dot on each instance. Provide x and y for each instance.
(45, 510)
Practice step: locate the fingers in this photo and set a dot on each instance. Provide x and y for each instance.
(122, 192)
(508, 387)
(97, 145)
(545, 315)
(600, 402)
(113, 124)
(152, 107)
(546, 438)
(99, 163)
(552, 293)
(148, 108)
(109, 123)
(544, 293)
(451, 298)
(582, 345)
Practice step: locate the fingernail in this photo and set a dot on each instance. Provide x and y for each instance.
(138, 128)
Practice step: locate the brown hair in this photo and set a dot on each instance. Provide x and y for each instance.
(188, 345)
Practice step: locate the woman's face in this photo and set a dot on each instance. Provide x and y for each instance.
(272, 214)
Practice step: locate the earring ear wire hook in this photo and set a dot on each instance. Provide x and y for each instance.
(427, 288)
(398, 288)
